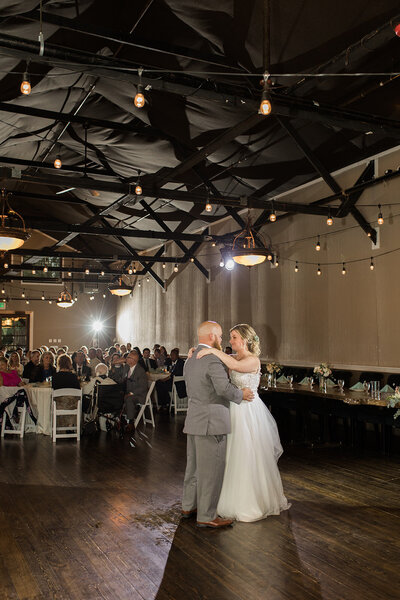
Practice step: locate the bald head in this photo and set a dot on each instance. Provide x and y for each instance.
(210, 333)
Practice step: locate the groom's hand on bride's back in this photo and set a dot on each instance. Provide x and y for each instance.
(247, 394)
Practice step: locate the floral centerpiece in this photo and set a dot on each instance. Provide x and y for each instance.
(393, 401)
(274, 367)
(323, 370)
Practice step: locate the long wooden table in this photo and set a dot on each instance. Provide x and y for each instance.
(353, 407)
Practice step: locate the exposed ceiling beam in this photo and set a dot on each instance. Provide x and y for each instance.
(349, 201)
(9, 160)
(95, 257)
(127, 39)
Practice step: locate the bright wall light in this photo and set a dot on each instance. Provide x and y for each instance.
(97, 325)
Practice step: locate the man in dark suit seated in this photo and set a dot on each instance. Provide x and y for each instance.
(147, 362)
(136, 386)
(164, 387)
(82, 369)
(32, 368)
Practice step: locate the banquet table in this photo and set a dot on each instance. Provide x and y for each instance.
(39, 396)
(354, 408)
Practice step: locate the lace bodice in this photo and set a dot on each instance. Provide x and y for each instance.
(249, 380)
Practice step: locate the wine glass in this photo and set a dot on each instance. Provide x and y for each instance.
(311, 381)
(341, 384)
(290, 380)
(366, 385)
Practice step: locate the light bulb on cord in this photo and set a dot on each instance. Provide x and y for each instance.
(26, 84)
(344, 269)
(213, 244)
(265, 105)
(50, 301)
(134, 269)
(163, 265)
(329, 221)
(69, 274)
(102, 273)
(33, 272)
(23, 294)
(380, 217)
(192, 259)
(319, 272)
(87, 271)
(208, 207)
(272, 217)
(130, 271)
(43, 296)
(318, 245)
(372, 266)
(296, 268)
(139, 98)
(176, 268)
(3, 291)
(57, 163)
(147, 279)
(45, 269)
(269, 257)
(5, 265)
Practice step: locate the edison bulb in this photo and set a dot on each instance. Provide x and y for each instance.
(265, 107)
(139, 100)
(138, 190)
(208, 207)
(25, 87)
(57, 163)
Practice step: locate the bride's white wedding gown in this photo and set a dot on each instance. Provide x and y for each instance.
(252, 487)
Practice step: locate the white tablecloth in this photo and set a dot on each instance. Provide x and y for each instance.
(40, 402)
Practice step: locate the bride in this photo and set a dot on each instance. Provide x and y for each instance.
(252, 487)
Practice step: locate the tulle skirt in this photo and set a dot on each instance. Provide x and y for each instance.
(252, 487)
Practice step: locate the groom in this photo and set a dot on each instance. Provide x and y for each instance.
(207, 423)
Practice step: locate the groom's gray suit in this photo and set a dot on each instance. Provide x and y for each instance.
(207, 423)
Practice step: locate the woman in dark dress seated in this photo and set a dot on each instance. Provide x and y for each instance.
(65, 377)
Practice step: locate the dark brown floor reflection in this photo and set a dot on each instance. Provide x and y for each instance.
(101, 520)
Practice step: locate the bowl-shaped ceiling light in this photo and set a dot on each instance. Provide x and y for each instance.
(247, 248)
(11, 237)
(65, 300)
(119, 288)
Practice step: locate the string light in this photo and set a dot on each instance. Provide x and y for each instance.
(130, 271)
(319, 272)
(213, 244)
(139, 98)
(272, 217)
(139, 284)
(45, 269)
(296, 268)
(265, 105)
(329, 220)
(208, 207)
(176, 268)
(318, 245)
(138, 188)
(27, 302)
(134, 269)
(371, 265)
(50, 302)
(23, 294)
(69, 274)
(6, 265)
(277, 261)
(26, 87)
(344, 269)
(33, 272)
(163, 265)
(380, 216)
(269, 257)
(57, 163)
(91, 297)
(192, 259)
(42, 295)
(102, 273)
(3, 291)
(104, 295)
(87, 271)
(147, 279)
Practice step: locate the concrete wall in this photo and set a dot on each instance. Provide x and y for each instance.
(350, 320)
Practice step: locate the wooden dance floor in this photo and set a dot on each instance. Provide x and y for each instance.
(102, 520)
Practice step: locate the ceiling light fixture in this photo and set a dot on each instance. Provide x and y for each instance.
(45, 269)
(296, 268)
(26, 87)
(318, 245)
(329, 220)
(65, 300)
(380, 216)
(119, 288)
(11, 237)
(208, 206)
(248, 247)
(139, 98)
(138, 188)
(372, 266)
(57, 163)
(176, 268)
(265, 105)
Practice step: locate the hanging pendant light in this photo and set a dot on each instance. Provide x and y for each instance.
(65, 300)
(139, 98)
(57, 163)
(26, 84)
(265, 105)
(119, 288)
(10, 237)
(248, 248)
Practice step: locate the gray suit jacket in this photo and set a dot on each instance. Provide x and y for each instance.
(137, 384)
(209, 391)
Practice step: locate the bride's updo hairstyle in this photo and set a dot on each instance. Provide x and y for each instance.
(248, 334)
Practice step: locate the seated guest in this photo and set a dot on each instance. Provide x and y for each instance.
(117, 371)
(122, 349)
(46, 367)
(31, 368)
(228, 350)
(60, 351)
(65, 348)
(147, 362)
(164, 354)
(157, 358)
(21, 356)
(164, 386)
(52, 350)
(14, 363)
(94, 361)
(99, 354)
(84, 350)
(64, 377)
(82, 369)
(102, 377)
(138, 351)
(128, 347)
(136, 385)
(8, 378)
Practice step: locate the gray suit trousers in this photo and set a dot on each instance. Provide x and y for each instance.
(204, 474)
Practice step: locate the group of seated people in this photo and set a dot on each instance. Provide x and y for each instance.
(120, 364)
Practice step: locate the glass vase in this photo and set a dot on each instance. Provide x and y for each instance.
(322, 384)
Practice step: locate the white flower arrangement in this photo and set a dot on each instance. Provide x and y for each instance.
(274, 367)
(323, 369)
(393, 401)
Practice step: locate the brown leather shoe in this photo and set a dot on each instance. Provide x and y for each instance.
(216, 523)
(187, 514)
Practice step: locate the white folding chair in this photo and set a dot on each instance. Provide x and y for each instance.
(178, 404)
(15, 430)
(67, 412)
(148, 404)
